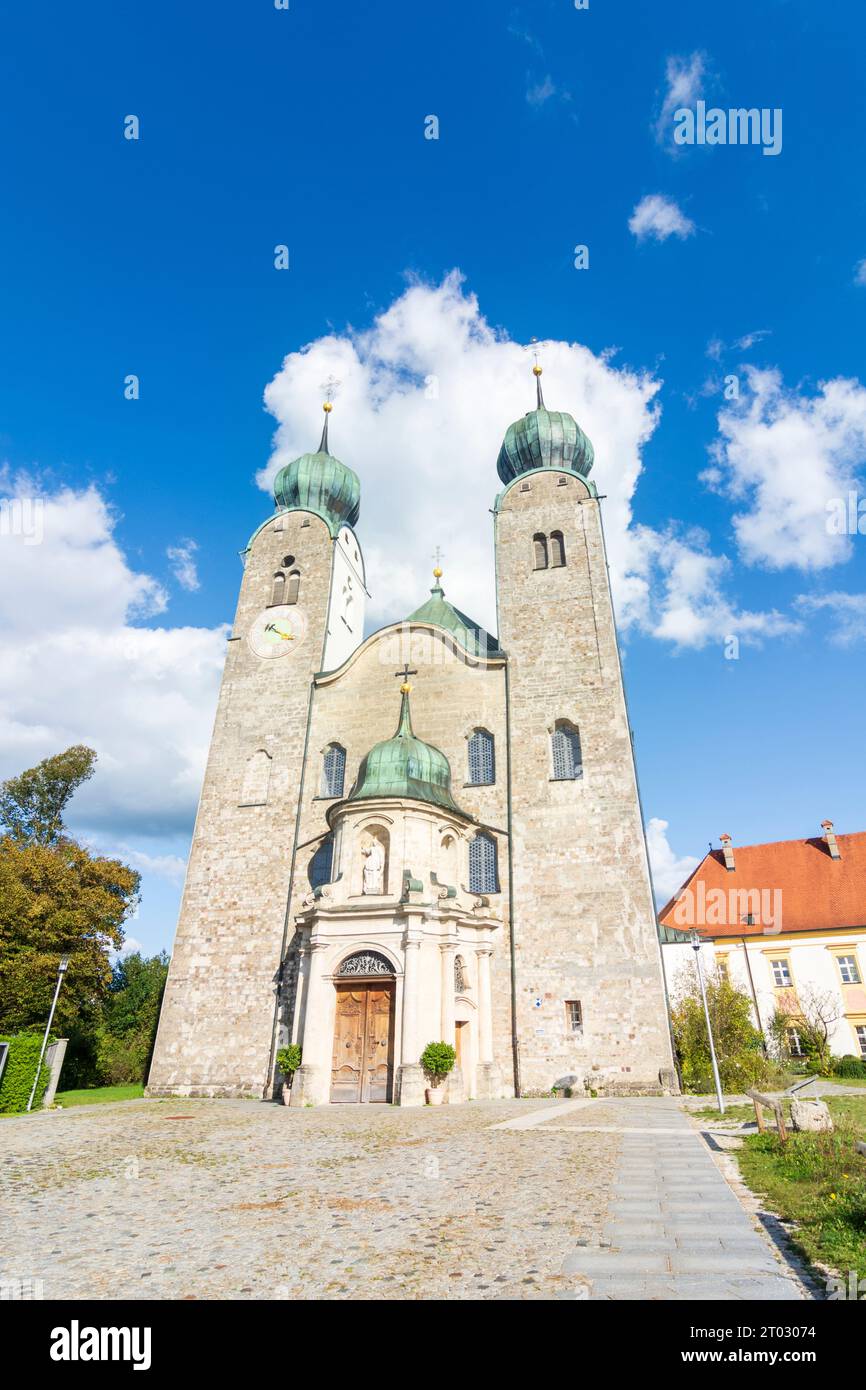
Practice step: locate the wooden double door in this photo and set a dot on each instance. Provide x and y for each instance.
(363, 1063)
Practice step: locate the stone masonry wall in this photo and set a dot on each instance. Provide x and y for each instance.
(584, 921)
(217, 1019)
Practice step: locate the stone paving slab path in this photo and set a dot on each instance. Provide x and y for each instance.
(675, 1228)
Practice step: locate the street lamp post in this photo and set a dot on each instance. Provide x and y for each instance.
(696, 947)
(64, 962)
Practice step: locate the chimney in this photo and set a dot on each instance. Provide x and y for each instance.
(830, 839)
(728, 852)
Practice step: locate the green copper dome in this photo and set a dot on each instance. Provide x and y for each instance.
(405, 766)
(544, 439)
(322, 484)
(438, 611)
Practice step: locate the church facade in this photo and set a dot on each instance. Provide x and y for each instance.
(427, 834)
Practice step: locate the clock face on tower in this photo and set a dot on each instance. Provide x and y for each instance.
(278, 631)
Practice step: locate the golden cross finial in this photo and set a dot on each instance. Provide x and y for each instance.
(437, 557)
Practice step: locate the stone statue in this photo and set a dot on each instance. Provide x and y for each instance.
(374, 869)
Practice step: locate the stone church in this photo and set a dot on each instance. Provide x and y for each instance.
(430, 833)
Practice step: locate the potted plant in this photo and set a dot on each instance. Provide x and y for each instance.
(438, 1060)
(288, 1061)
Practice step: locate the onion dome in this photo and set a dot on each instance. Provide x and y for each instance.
(320, 483)
(405, 766)
(438, 611)
(544, 439)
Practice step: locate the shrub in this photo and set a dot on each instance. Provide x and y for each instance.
(739, 1044)
(21, 1064)
(438, 1060)
(289, 1059)
(849, 1065)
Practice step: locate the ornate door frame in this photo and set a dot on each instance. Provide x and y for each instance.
(364, 1028)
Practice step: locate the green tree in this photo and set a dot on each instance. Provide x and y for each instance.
(32, 804)
(129, 1018)
(739, 1044)
(58, 900)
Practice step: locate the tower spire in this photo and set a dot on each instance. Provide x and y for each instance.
(536, 372)
(323, 445)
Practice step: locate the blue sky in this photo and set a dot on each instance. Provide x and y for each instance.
(306, 127)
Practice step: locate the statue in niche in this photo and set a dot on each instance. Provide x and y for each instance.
(461, 984)
(374, 868)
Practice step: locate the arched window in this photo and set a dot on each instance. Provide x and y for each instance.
(539, 551)
(482, 865)
(565, 752)
(278, 589)
(333, 770)
(557, 548)
(321, 863)
(292, 587)
(482, 764)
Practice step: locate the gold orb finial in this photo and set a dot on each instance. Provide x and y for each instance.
(536, 370)
(405, 688)
(437, 573)
(327, 407)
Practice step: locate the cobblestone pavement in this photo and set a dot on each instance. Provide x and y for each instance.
(234, 1199)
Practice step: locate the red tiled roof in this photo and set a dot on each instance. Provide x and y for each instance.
(817, 893)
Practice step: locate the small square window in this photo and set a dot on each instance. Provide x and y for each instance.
(848, 970)
(574, 1015)
(525, 487)
(562, 482)
(781, 973)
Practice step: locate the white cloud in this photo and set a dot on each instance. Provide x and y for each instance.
(847, 614)
(860, 273)
(659, 217)
(683, 85)
(681, 593)
(427, 395)
(670, 870)
(129, 947)
(183, 565)
(788, 457)
(84, 673)
(540, 92)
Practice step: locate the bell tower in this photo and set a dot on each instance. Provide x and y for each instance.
(300, 611)
(589, 995)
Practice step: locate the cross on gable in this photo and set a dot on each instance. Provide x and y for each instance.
(406, 673)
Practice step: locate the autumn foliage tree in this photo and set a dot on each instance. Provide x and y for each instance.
(55, 899)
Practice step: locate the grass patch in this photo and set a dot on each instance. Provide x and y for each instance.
(99, 1095)
(732, 1112)
(819, 1182)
